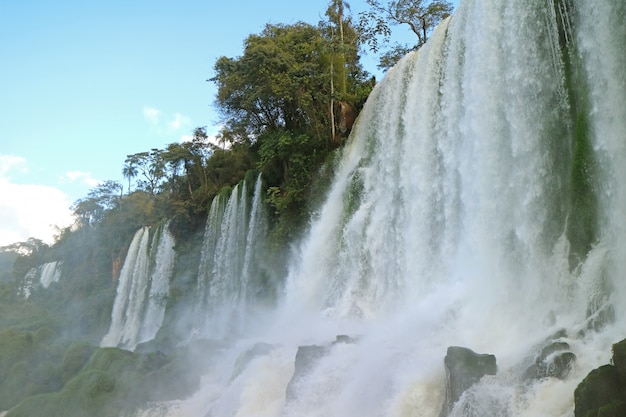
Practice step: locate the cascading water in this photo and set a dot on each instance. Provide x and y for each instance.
(479, 203)
(50, 272)
(47, 273)
(143, 288)
(230, 266)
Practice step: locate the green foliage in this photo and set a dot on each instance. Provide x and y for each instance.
(421, 16)
(75, 357)
(108, 382)
(28, 363)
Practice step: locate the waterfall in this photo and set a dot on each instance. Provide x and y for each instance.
(50, 272)
(143, 288)
(479, 203)
(230, 269)
(47, 273)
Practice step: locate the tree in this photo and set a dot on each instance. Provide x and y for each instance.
(90, 210)
(421, 16)
(279, 99)
(277, 84)
(186, 162)
(129, 171)
(151, 166)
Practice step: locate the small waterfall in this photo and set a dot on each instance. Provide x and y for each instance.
(143, 288)
(50, 272)
(230, 269)
(47, 273)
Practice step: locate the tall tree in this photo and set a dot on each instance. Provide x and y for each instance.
(129, 171)
(421, 16)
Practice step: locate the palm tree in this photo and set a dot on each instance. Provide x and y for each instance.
(129, 171)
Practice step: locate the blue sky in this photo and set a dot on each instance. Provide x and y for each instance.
(85, 83)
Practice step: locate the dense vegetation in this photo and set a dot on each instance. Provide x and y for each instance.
(288, 102)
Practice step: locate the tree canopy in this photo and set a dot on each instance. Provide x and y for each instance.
(421, 16)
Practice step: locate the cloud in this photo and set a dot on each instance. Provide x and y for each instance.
(82, 177)
(179, 121)
(12, 162)
(164, 123)
(152, 115)
(28, 210)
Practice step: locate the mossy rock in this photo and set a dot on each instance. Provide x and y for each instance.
(613, 410)
(74, 358)
(619, 360)
(600, 388)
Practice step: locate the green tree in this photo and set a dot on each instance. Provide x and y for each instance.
(90, 210)
(129, 171)
(152, 168)
(278, 84)
(279, 99)
(421, 16)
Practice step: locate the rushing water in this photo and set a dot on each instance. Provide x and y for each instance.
(231, 265)
(47, 273)
(481, 203)
(142, 289)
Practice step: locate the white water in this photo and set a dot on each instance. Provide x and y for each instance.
(143, 288)
(230, 262)
(446, 225)
(50, 272)
(47, 273)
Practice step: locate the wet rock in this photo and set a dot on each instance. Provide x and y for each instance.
(342, 338)
(603, 391)
(554, 360)
(464, 368)
(600, 388)
(307, 358)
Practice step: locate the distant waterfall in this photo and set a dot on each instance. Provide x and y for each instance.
(480, 202)
(230, 269)
(47, 274)
(143, 289)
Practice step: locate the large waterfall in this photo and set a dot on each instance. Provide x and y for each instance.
(143, 288)
(479, 203)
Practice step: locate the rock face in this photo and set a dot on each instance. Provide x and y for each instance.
(464, 368)
(603, 392)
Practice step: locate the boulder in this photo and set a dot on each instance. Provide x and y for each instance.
(603, 391)
(464, 368)
(307, 358)
(599, 389)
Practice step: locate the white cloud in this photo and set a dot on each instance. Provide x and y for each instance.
(179, 122)
(164, 123)
(152, 115)
(186, 138)
(11, 162)
(28, 210)
(31, 211)
(82, 177)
